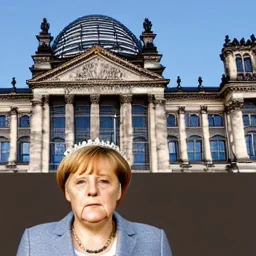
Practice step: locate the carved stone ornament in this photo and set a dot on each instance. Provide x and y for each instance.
(147, 24)
(45, 26)
(97, 68)
(14, 110)
(126, 98)
(236, 104)
(204, 109)
(160, 101)
(95, 98)
(36, 103)
(151, 98)
(69, 99)
(46, 99)
(181, 110)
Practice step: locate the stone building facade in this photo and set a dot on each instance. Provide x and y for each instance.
(97, 80)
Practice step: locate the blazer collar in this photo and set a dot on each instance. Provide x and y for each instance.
(126, 235)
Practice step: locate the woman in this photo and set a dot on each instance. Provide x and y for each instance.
(94, 177)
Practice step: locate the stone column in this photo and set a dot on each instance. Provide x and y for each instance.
(46, 135)
(161, 136)
(152, 134)
(35, 164)
(13, 137)
(69, 121)
(126, 130)
(95, 116)
(238, 130)
(182, 136)
(206, 136)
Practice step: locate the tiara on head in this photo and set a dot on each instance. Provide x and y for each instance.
(96, 142)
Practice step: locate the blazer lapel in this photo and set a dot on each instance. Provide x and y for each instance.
(126, 236)
(62, 241)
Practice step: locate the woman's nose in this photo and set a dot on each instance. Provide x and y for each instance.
(92, 189)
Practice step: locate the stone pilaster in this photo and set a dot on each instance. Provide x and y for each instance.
(13, 137)
(46, 135)
(182, 136)
(206, 136)
(35, 164)
(161, 136)
(152, 134)
(231, 65)
(126, 130)
(95, 116)
(231, 148)
(69, 121)
(238, 130)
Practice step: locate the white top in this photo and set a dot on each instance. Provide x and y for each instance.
(111, 252)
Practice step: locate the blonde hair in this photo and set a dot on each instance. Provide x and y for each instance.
(79, 160)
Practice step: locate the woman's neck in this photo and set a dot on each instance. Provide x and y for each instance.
(93, 236)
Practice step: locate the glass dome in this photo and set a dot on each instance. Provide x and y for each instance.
(91, 30)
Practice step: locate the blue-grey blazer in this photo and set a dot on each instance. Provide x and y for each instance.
(55, 239)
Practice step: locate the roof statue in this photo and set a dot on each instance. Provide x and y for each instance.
(147, 24)
(13, 84)
(45, 26)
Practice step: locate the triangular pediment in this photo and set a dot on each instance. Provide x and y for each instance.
(97, 64)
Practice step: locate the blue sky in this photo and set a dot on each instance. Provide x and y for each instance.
(190, 34)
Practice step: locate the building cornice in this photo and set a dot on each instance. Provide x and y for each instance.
(191, 96)
(15, 97)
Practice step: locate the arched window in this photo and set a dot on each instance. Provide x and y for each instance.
(140, 154)
(215, 120)
(173, 149)
(2, 121)
(57, 149)
(109, 124)
(24, 121)
(194, 144)
(251, 144)
(239, 64)
(244, 64)
(247, 63)
(82, 123)
(24, 149)
(4, 149)
(140, 135)
(218, 148)
(192, 120)
(171, 121)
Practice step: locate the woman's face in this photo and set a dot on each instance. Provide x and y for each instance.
(93, 195)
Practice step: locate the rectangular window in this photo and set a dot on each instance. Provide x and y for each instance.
(4, 154)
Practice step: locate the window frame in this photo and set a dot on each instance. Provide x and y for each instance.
(218, 138)
(188, 120)
(175, 121)
(4, 140)
(195, 139)
(214, 116)
(173, 139)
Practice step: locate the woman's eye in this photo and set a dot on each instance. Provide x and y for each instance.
(80, 182)
(104, 181)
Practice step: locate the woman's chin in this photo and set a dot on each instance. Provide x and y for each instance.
(94, 214)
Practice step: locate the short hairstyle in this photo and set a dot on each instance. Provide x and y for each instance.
(79, 160)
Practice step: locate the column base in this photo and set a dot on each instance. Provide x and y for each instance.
(11, 166)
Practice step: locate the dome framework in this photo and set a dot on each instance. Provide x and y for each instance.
(91, 30)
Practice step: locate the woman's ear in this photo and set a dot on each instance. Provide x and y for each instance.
(67, 193)
(119, 192)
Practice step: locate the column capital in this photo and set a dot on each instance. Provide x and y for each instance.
(95, 98)
(46, 99)
(151, 98)
(14, 110)
(126, 98)
(160, 101)
(36, 102)
(236, 104)
(204, 110)
(181, 110)
(69, 98)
